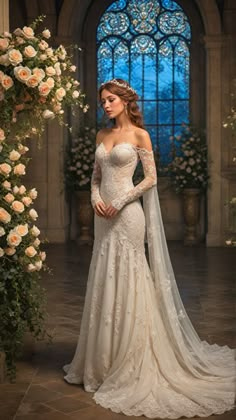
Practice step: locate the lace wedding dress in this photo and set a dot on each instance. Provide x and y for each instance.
(137, 349)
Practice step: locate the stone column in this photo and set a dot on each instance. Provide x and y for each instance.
(214, 128)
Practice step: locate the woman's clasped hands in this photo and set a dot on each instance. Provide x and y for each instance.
(103, 210)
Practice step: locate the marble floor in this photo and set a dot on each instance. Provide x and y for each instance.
(207, 283)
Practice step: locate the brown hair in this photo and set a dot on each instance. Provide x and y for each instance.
(127, 94)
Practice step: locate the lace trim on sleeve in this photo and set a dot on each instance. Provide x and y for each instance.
(150, 179)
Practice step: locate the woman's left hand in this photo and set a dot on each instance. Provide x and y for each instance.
(111, 211)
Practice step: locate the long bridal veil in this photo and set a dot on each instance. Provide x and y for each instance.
(204, 363)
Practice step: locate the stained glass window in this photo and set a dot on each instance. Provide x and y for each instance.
(147, 43)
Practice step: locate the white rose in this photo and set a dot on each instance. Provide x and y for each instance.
(48, 115)
(68, 85)
(15, 189)
(43, 57)
(43, 45)
(228, 242)
(15, 57)
(46, 33)
(34, 231)
(57, 67)
(14, 155)
(33, 214)
(49, 52)
(30, 251)
(188, 170)
(2, 231)
(28, 32)
(50, 71)
(73, 68)
(75, 94)
(36, 242)
(50, 82)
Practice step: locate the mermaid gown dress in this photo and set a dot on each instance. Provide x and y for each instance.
(137, 349)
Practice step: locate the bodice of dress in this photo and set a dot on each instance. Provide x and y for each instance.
(113, 172)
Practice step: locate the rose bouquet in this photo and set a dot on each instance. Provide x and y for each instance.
(80, 160)
(36, 82)
(188, 168)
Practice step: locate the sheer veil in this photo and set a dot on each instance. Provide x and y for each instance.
(198, 356)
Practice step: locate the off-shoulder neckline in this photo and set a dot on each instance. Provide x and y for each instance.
(124, 142)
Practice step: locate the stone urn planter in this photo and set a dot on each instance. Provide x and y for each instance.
(85, 217)
(191, 213)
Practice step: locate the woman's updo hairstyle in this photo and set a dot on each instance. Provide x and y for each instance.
(127, 94)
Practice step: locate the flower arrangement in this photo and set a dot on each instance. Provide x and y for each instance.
(36, 81)
(188, 168)
(80, 160)
(21, 298)
(230, 120)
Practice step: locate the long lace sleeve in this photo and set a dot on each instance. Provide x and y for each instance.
(95, 184)
(150, 179)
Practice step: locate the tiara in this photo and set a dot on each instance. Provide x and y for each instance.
(123, 85)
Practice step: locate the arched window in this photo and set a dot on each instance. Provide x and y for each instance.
(147, 43)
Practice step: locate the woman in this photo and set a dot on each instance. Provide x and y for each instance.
(137, 348)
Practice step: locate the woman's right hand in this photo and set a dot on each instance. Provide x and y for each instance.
(100, 209)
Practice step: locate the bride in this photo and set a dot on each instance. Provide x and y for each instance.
(137, 349)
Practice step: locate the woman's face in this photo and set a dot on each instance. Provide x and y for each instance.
(112, 104)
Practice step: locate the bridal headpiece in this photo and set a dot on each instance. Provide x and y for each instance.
(120, 84)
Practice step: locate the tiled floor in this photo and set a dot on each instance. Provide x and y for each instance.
(206, 279)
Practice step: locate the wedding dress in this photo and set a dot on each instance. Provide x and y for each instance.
(137, 349)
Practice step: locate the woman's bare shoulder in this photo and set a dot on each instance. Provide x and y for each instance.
(143, 138)
(101, 134)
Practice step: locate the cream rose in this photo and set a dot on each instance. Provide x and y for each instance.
(50, 82)
(39, 73)
(46, 33)
(75, 94)
(7, 82)
(28, 32)
(60, 93)
(30, 52)
(38, 265)
(48, 115)
(17, 206)
(4, 60)
(35, 231)
(22, 230)
(33, 193)
(43, 45)
(2, 231)
(19, 169)
(22, 149)
(73, 68)
(43, 57)
(15, 57)
(2, 135)
(50, 71)
(57, 67)
(14, 155)
(13, 238)
(22, 189)
(9, 198)
(7, 185)
(1, 252)
(22, 73)
(30, 251)
(5, 217)
(36, 242)
(33, 214)
(32, 81)
(44, 89)
(5, 169)
(4, 42)
(9, 251)
(31, 268)
(15, 189)
(49, 52)
(27, 201)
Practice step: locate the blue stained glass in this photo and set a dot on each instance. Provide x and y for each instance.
(147, 43)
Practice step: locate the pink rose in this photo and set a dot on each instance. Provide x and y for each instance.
(7, 82)
(44, 89)
(15, 57)
(30, 251)
(13, 238)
